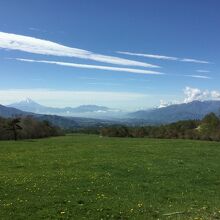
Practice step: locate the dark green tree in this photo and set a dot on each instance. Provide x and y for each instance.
(211, 121)
(14, 126)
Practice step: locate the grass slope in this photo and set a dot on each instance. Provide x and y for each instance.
(88, 177)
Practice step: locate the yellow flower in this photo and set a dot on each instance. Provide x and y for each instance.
(140, 205)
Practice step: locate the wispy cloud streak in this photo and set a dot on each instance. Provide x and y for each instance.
(44, 47)
(193, 61)
(86, 66)
(203, 71)
(199, 76)
(162, 57)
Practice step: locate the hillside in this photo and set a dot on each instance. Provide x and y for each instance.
(11, 112)
(173, 113)
(88, 177)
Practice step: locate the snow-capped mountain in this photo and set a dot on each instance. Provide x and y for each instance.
(28, 105)
(94, 111)
(176, 112)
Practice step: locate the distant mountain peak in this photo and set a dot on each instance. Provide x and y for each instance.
(28, 105)
(192, 110)
(28, 100)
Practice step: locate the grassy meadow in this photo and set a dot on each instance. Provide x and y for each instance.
(89, 177)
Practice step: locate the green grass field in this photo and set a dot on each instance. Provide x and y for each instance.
(88, 177)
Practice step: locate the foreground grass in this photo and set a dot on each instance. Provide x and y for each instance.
(88, 177)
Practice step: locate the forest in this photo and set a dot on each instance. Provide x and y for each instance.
(26, 128)
(206, 129)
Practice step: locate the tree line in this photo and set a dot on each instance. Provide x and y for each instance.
(26, 128)
(29, 128)
(206, 129)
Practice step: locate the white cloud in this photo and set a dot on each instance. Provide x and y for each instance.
(215, 94)
(193, 60)
(162, 57)
(199, 76)
(164, 103)
(86, 66)
(193, 94)
(38, 46)
(63, 98)
(203, 71)
(34, 29)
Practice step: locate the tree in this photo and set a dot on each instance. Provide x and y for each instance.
(14, 126)
(211, 120)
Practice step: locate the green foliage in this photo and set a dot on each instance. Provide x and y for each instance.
(210, 127)
(206, 129)
(211, 120)
(86, 130)
(115, 131)
(88, 177)
(26, 128)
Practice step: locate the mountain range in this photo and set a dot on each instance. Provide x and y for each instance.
(177, 112)
(61, 121)
(169, 114)
(92, 111)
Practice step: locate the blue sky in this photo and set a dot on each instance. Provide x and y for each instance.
(182, 36)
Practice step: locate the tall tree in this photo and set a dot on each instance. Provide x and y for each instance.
(14, 126)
